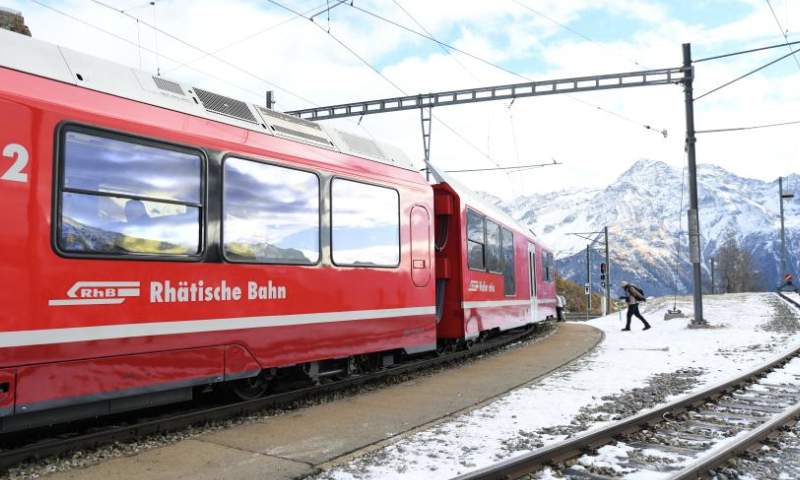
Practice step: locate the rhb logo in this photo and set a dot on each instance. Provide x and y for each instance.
(98, 293)
(480, 286)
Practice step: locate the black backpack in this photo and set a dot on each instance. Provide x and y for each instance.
(641, 292)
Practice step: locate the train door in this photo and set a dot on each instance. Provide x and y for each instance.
(420, 246)
(532, 281)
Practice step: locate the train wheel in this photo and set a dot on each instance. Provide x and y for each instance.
(251, 388)
(368, 363)
(441, 348)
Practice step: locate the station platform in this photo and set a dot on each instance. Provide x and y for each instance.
(308, 440)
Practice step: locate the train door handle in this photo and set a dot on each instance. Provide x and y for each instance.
(418, 264)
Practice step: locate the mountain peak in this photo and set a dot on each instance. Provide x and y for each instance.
(645, 211)
(648, 171)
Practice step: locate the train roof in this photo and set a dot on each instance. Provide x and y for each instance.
(471, 198)
(36, 57)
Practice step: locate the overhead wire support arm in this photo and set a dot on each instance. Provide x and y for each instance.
(515, 168)
(663, 76)
(425, 118)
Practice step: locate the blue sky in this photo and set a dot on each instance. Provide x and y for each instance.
(596, 136)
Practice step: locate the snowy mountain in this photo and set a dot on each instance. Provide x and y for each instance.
(645, 211)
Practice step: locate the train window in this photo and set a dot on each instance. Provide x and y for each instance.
(509, 276)
(270, 213)
(365, 224)
(125, 197)
(545, 268)
(548, 267)
(106, 165)
(493, 254)
(476, 241)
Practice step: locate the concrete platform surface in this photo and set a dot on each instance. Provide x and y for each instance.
(298, 443)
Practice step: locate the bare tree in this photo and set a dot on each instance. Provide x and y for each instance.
(736, 269)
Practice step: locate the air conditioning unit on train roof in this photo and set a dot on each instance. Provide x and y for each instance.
(294, 128)
(370, 149)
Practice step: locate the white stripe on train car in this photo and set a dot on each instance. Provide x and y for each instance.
(108, 332)
(503, 303)
(494, 303)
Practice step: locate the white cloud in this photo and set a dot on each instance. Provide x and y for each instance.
(595, 146)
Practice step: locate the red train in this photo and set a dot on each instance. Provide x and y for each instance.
(157, 238)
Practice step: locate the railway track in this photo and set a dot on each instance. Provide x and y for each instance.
(791, 297)
(685, 439)
(15, 448)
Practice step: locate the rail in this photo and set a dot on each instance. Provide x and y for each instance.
(183, 419)
(526, 464)
(788, 299)
(699, 468)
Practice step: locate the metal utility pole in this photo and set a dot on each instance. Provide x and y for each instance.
(605, 268)
(713, 284)
(270, 100)
(694, 221)
(608, 276)
(588, 283)
(783, 232)
(425, 115)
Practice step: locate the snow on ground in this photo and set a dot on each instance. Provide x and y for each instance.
(748, 330)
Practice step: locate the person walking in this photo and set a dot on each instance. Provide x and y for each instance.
(632, 298)
(561, 302)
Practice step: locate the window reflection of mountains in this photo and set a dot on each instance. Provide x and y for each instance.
(288, 250)
(76, 236)
(264, 252)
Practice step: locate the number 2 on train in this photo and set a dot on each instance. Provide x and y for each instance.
(19, 154)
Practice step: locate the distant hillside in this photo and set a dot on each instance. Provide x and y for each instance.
(575, 296)
(643, 211)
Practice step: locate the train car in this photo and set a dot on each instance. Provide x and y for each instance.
(492, 275)
(158, 238)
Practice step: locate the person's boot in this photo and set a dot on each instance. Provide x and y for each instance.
(646, 326)
(626, 329)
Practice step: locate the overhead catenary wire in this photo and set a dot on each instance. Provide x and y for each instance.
(501, 68)
(783, 32)
(190, 45)
(430, 35)
(119, 37)
(397, 87)
(744, 52)
(139, 46)
(136, 7)
(572, 30)
(680, 231)
(752, 127)
(155, 28)
(515, 168)
(246, 38)
(387, 79)
(516, 155)
(745, 75)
